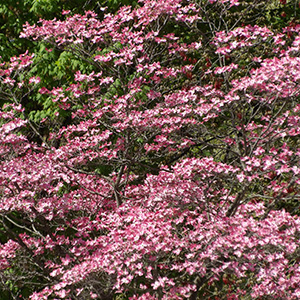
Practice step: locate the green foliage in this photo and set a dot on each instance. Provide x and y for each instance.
(43, 6)
(13, 14)
(115, 4)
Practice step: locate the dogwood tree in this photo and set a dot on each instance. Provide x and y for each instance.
(167, 167)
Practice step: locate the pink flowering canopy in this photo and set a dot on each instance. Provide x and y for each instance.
(168, 169)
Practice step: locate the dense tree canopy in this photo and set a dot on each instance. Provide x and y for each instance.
(152, 151)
